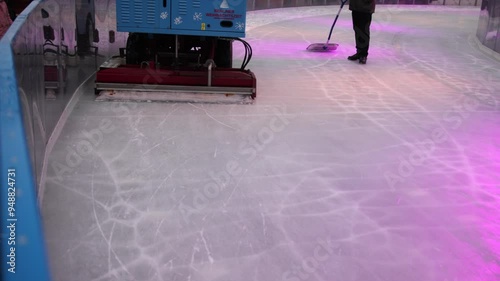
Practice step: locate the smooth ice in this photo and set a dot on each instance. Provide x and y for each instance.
(338, 171)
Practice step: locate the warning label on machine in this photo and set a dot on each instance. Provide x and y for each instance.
(223, 14)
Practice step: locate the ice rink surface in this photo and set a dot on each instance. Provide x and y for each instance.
(338, 171)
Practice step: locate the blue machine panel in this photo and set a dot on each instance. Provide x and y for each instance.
(225, 18)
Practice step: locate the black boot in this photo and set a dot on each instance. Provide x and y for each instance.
(362, 60)
(356, 56)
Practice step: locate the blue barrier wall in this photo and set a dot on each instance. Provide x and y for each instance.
(23, 251)
(269, 4)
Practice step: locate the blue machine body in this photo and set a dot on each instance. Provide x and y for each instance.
(222, 18)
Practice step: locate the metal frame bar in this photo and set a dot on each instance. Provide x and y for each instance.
(175, 88)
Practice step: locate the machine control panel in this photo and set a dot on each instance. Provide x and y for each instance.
(224, 18)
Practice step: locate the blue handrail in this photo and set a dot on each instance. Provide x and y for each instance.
(23, 253)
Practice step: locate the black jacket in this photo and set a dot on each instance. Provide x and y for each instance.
(365, 6)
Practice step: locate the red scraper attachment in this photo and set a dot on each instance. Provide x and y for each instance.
(176, 82)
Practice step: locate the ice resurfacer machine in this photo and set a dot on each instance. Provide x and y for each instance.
(180, 48)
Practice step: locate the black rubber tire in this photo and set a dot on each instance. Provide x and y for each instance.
(136, 48)
(223, 56)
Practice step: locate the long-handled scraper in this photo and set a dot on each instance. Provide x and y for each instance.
(325, 47)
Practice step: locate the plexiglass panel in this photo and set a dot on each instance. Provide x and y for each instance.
(59, 46)
(488, 28)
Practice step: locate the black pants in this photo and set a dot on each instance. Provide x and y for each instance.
(361, 24)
